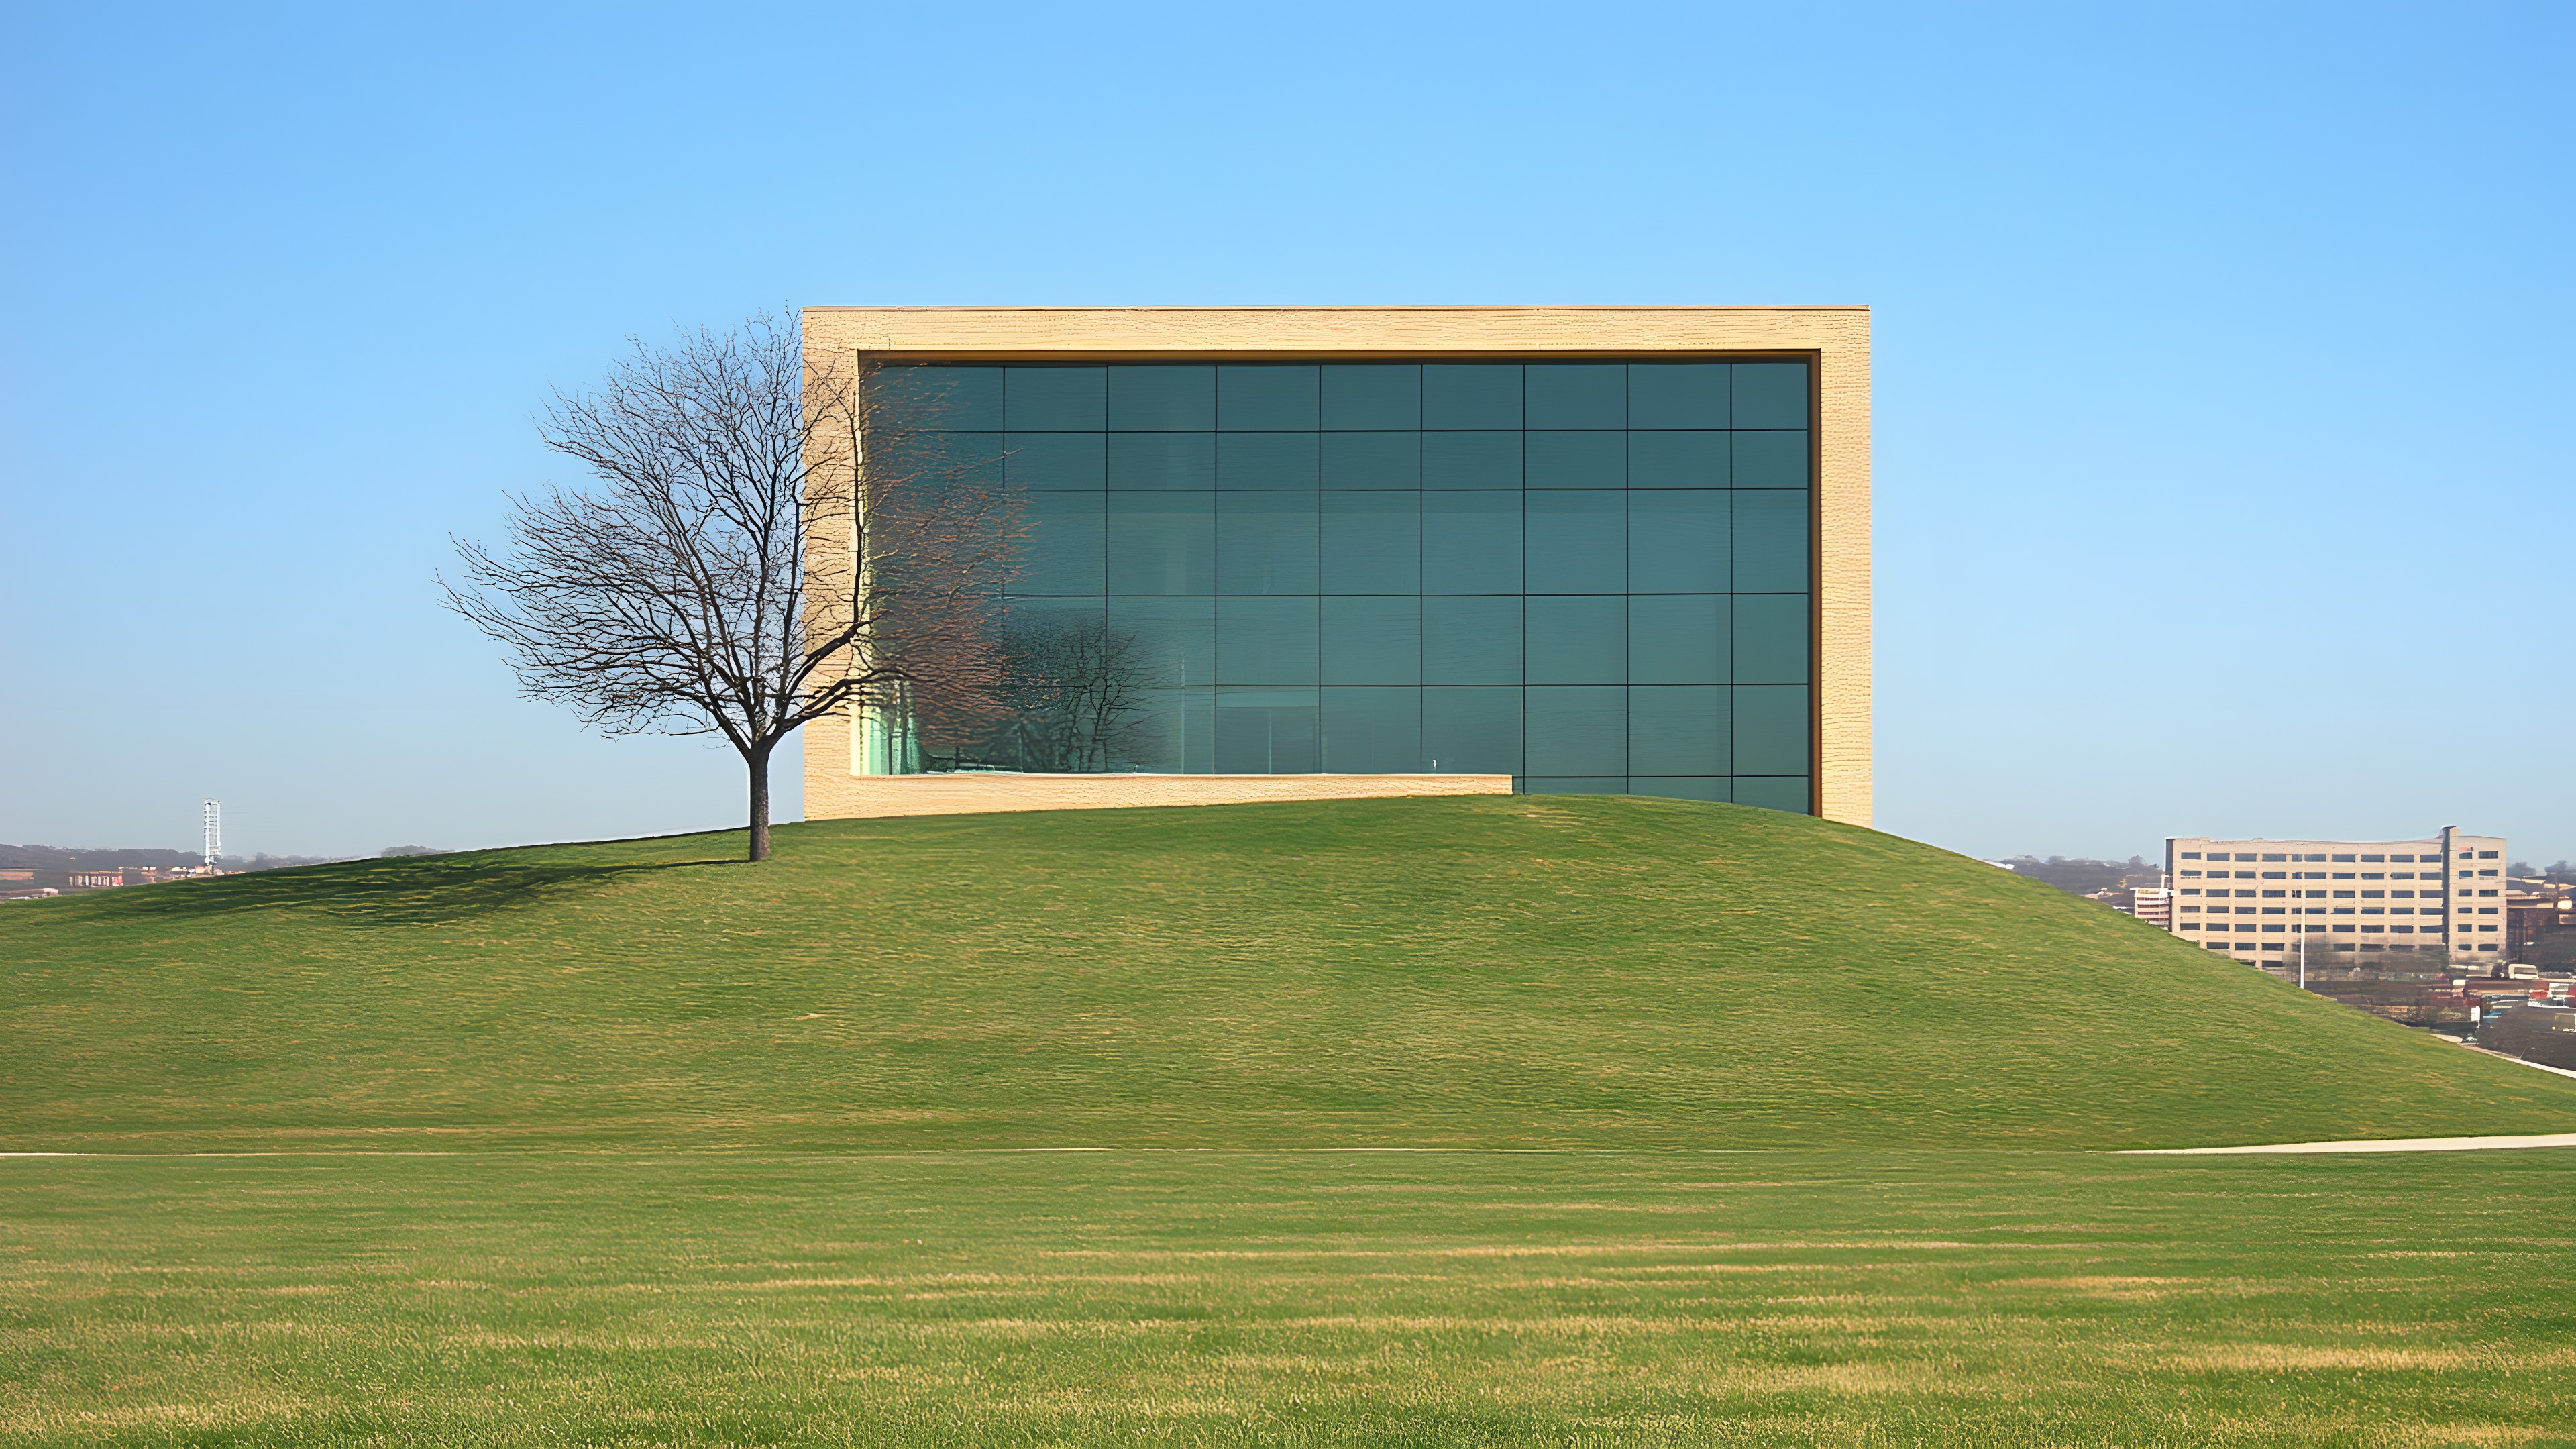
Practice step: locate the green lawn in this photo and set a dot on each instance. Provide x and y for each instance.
(1107, 1128)
(1787, 1298)
(1506, 971)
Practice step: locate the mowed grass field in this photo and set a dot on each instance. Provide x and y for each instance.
(1846, 1297)
(1501, 1121)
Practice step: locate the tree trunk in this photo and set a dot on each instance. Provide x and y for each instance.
(759, 766)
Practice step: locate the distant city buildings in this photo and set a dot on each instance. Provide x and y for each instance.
(2151, 904)
(2439, 900)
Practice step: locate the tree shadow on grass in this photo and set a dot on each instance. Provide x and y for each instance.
(409, 892)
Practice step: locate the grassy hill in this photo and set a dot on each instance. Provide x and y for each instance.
(1496, 972)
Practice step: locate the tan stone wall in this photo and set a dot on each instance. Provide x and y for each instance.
(855, 797)
(1836, 337)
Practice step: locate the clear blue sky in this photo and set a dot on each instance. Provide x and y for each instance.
(2222, 372)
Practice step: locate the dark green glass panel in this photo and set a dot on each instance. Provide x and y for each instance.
(1677, 638)
(1776, 793)
(1771, 730)
(941, 464)
(1471, 395)
(1265, 543)
(1770, 460)
(1266, 397)
(1056, 462)
(1157, 399)
(1372, 731)
(1577, 460)
(1771, 638)
(1576, 395)
(1770, 394)
(1471, 731)
(1679, 460)
(1471, 640)
(1577, 639)
(1181, 462)
(1162, 543)
(1265, 641)
(1578, 542)
(1265, 731)
(1679, 788)
(1576, 730)
(1471, 460)
(1678, 729)
(955, 398)
(1678, 395)
(1678, 541)
(1367, 396)
(1770, 529)
(1055, 399)
(1574, 785)
(1372, 543)
(1373, 460)
(1060, 550)
(1373, 640)
(1253, 461)
(1169, 732)
(1471, 543)
(1175, 639)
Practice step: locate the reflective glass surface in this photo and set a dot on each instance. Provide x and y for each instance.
(1372, 543)
(1577, 543)
(1265, 543)
(1679, 395)
(1372, 731)
(1471, 640)
(1178, 462)
(1678, 541)
(1053, 399)
(1265, 397)
(1372, 396)
(1162, 543)
(1576, 460)
(1055, 462)
(1592, 576)
(1372, 460)
(1575, 639)
(1256, 462)
(1155, 399)
(1373, 640)
(1266, 641)
(1471, 395)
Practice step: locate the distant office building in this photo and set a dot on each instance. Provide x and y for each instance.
(2439, 899)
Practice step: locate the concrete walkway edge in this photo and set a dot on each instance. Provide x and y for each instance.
(2391, 1144)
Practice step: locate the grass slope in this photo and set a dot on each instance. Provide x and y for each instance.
(1496, 972)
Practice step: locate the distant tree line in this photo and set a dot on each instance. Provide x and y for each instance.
(2083, 877)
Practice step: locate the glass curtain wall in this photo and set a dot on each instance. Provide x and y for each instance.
(1591, 576)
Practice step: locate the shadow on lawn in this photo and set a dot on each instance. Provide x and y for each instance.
(410, 892)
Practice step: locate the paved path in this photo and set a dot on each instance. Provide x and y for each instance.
(2517, 1061)
(2388, 1144)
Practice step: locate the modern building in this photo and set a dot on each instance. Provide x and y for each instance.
(1300, 552)
(2437, 900)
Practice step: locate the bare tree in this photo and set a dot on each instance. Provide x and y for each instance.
(761, 550)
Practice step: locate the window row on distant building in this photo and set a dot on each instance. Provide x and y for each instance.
(2464, 874)
(2262, 857)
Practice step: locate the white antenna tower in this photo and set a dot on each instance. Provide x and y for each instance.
(214, 832)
